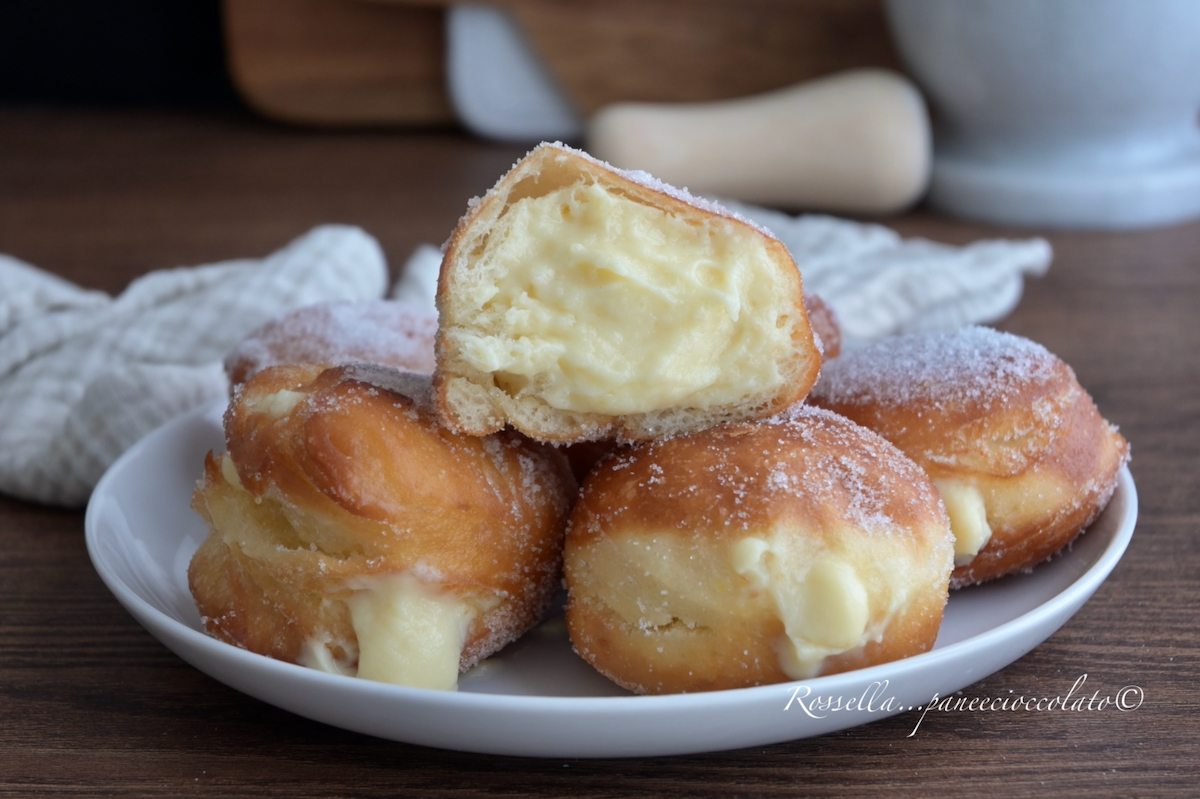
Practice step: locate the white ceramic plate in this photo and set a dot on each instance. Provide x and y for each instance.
(540, 699)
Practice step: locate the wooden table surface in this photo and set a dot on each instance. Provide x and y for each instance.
(92, 704)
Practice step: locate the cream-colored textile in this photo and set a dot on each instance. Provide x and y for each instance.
(83, 375)
(881, 284)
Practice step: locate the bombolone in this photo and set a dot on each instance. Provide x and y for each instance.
(579, 302)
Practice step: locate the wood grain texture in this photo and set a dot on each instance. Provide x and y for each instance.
(90, 704)
(339, 62)
(352, 62)
(607, 51)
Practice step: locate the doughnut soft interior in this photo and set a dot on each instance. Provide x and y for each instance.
(581, 302)
(1016, 447)
(755, 553)
(350, 532)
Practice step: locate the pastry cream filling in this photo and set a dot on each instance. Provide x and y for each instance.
(968, 518)
(409, 633)
(611, 306)
(316, 655)
(825, 609)
(279, 404)
(229, 471)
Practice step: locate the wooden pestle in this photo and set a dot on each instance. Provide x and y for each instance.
(857, 141)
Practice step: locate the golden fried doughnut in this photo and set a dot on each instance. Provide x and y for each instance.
(388, 332)
(1017, 448)
(352, 533)
(824, 324)
(755, 553)
(581, 302)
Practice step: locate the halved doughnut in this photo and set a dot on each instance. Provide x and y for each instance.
(581, 302)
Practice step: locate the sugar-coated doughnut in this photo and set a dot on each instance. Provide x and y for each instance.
(755, 553)
(581, 302)
(386, 332)
(824, 324)
(1017, 448)
(350, 532)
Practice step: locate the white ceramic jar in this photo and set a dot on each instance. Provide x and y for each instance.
(1063, 113)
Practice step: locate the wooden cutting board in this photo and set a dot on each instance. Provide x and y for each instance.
(381, 62)
(338, 62)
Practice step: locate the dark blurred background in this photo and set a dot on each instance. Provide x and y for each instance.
(113, 52)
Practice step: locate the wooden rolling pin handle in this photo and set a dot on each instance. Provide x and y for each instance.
(857, 142)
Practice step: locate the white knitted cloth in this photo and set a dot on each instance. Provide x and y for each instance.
(880, 284)
(83, 375)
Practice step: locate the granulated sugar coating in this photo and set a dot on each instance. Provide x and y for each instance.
(335, 333)
(973, 365)
(882, 487)
(734, 477)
